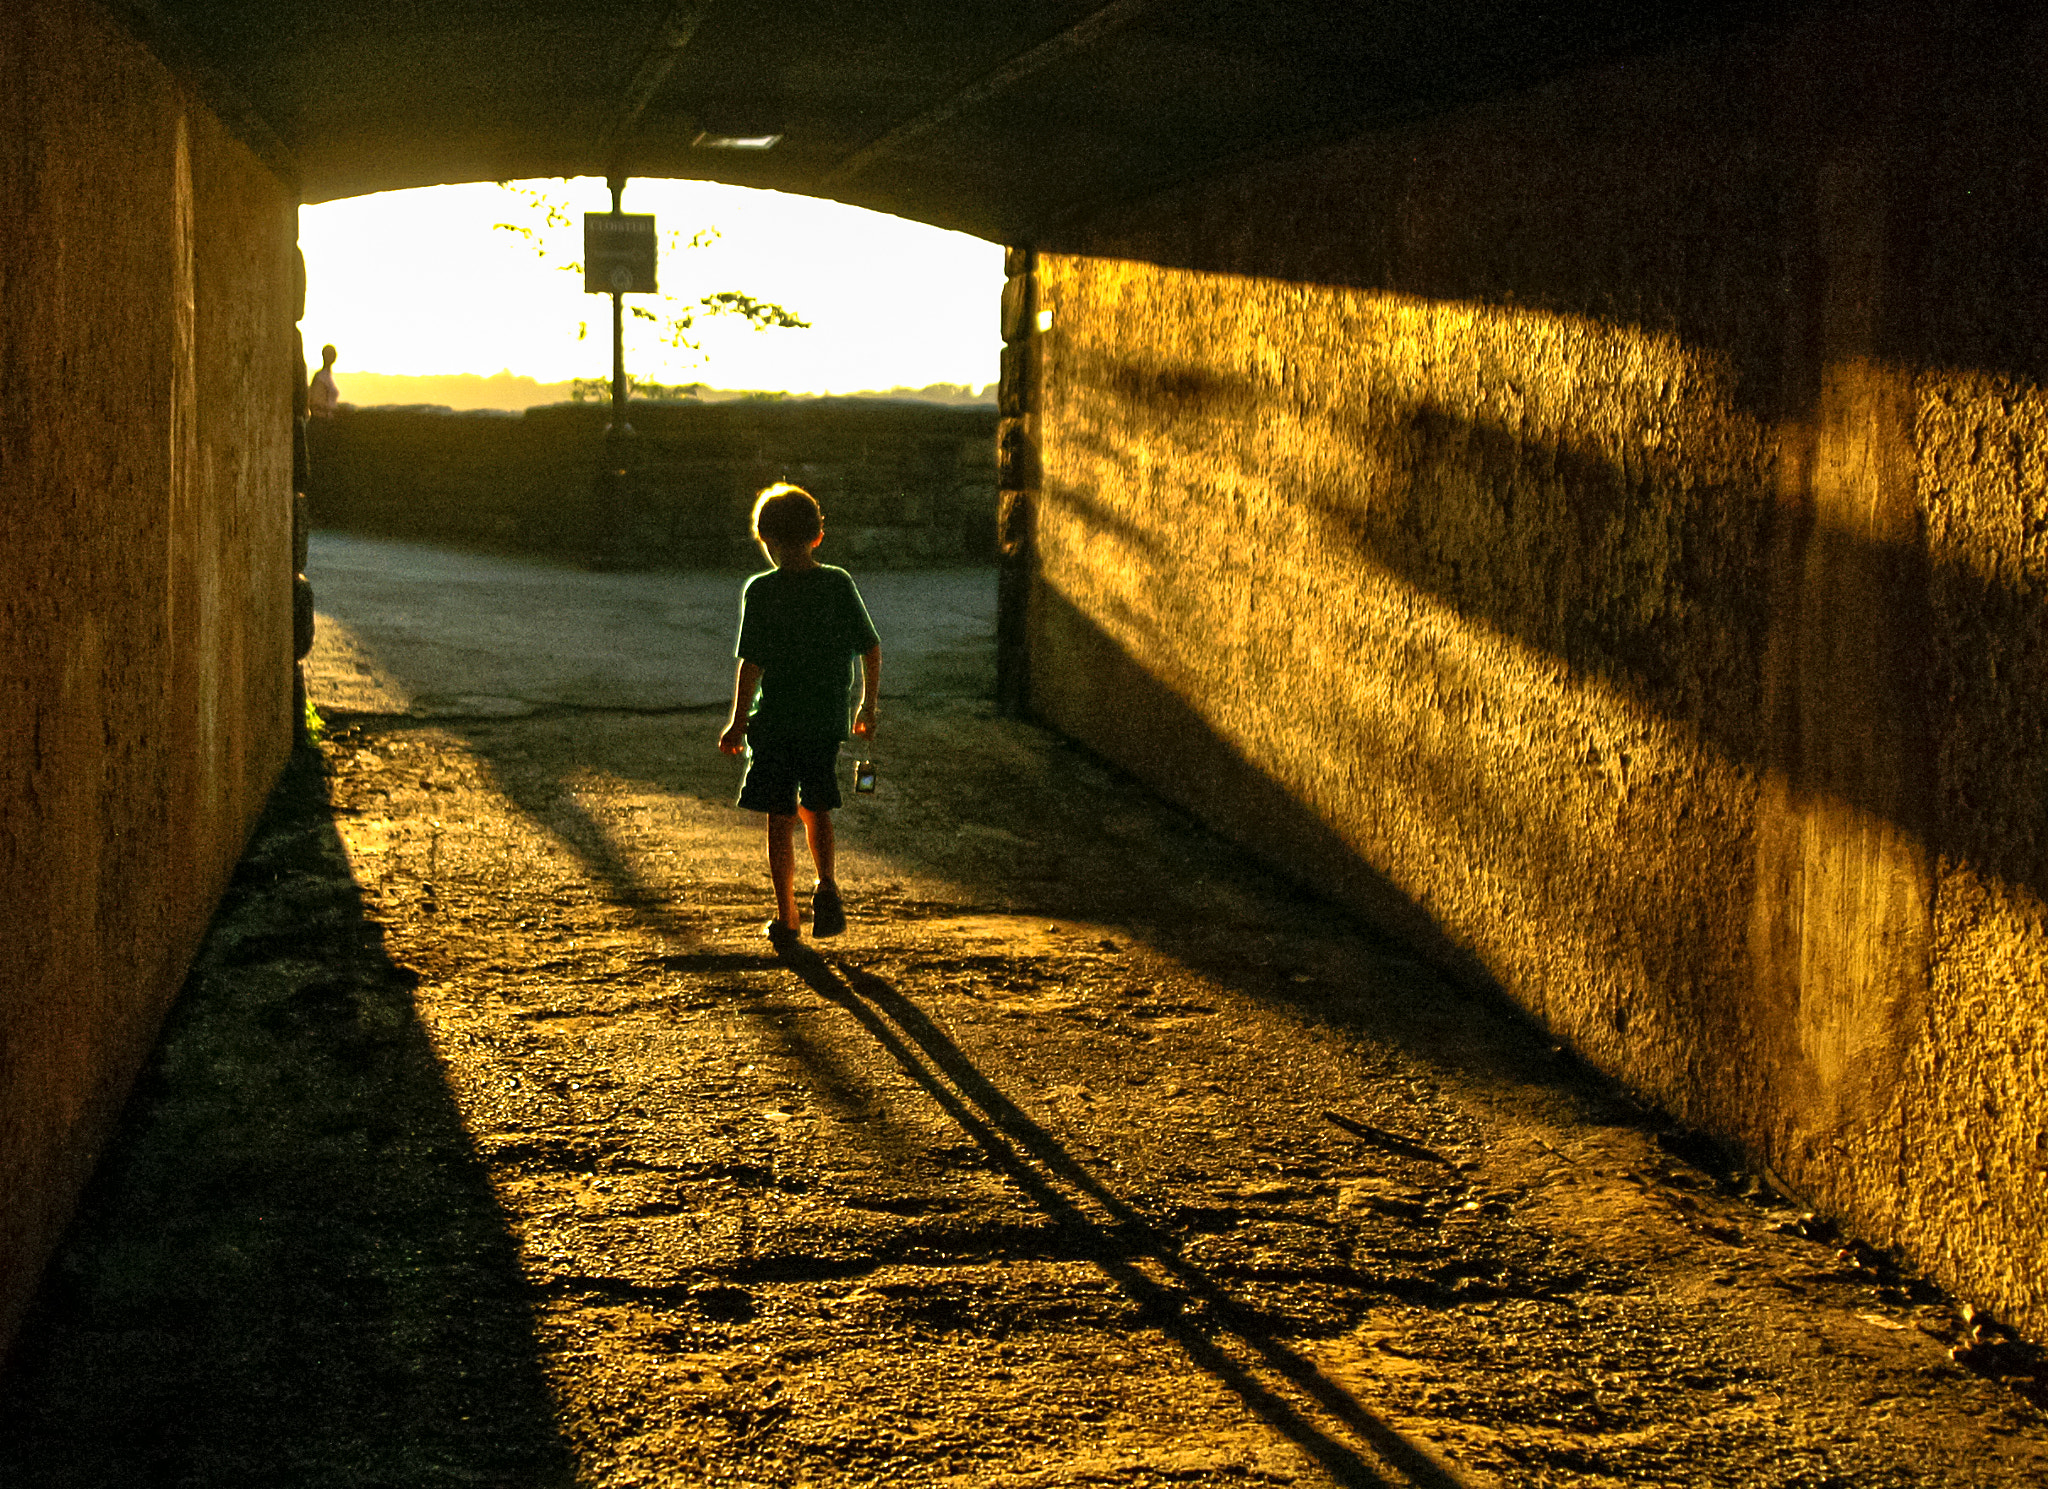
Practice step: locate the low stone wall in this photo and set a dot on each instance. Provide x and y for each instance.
(903, 485)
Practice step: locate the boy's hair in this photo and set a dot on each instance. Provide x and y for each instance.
(787, 516)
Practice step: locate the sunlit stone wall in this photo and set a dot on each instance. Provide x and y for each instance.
(1604, 534)
(146, 373)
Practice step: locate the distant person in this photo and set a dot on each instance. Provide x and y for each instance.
(801, 625)
(322, 397)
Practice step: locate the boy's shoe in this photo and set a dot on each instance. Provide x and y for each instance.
(781, 936)
(828, 913)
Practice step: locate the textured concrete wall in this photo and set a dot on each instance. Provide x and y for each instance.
(1604, 532)
(145, 572)
(903, 484)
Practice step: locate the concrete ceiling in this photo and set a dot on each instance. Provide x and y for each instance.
(998, 117)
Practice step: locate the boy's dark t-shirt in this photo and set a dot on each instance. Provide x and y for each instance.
(803, 628)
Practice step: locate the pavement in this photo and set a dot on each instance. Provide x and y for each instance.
(408, 629)
(492, 1144)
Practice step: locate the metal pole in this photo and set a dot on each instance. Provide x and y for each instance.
(612, 486)
(619, 390)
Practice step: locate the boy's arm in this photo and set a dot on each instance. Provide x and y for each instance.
(734, 739)
(870, 690)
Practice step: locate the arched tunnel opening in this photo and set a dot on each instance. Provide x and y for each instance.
(1458, 899)
(460, 306)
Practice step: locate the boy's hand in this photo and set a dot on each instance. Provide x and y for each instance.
(864, 721)
(744, 684)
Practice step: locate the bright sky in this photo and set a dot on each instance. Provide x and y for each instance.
(422, 282)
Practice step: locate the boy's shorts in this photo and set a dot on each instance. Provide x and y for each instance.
(778, 773)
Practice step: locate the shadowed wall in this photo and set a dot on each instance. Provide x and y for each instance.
(146, 374)
(1604, 532)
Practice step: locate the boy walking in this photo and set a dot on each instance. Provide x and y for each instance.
(801, 625)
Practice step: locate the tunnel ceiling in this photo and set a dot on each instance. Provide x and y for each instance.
(999, 117)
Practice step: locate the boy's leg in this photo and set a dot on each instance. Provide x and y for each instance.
(828, 914)
(824, 849)
(819, 794)
(782, 866)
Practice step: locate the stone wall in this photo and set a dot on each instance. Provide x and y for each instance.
(903, 484)
(147, 364)
(1605, 533)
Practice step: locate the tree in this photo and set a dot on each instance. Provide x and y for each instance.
(550, 231)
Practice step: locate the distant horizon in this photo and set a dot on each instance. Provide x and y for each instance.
(512, 392)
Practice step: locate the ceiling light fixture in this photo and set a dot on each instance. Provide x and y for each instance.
(738, 126)
(706, 140)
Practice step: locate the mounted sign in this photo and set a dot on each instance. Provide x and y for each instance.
(618, 253)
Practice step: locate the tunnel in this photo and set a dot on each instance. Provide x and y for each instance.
(1567, 482)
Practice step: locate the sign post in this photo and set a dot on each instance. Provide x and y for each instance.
(618, 260)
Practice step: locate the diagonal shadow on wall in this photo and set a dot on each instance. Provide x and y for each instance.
(1548, 566)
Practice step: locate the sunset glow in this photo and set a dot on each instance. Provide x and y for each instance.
(423, 282)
